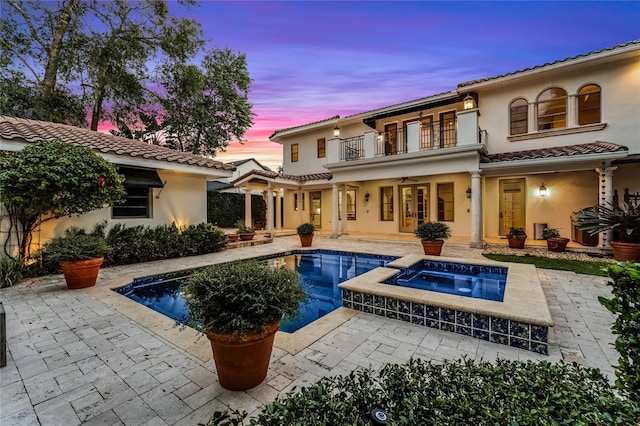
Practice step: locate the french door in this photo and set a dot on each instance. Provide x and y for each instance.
(414, 208)
(512, 202)
(316, 208)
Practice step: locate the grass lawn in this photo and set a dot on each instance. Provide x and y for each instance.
(577, 266)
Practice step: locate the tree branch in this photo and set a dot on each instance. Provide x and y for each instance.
(27, 20)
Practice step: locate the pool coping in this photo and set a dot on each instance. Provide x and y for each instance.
(524, 299)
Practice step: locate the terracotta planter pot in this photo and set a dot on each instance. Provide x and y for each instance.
(432, 248)
(516, 242)
(232, 238)
(626, 252)
(242, 362)
(81, 273)
(246, 237)
(306, 240)
(557, 244)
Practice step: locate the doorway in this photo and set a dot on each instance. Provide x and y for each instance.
(512, 202)
(316, 208)
(414, 207)
(391, 139)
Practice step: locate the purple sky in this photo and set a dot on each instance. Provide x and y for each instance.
(313, 60)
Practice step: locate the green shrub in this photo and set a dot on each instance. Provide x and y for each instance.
(625, 303)
(203, 238)
(242, 297)
(461, 392)
(75, 244)
(550, 233)
(305, 229)
(432, 231)
(225, 209)
(10, 271)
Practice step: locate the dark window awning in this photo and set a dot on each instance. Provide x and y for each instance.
(140, 178)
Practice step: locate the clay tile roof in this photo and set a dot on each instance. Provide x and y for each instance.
(481, 80)
(295, 178)
(32, 130)
(598, 147)
(335, 117)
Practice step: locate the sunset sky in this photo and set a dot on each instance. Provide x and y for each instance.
(313, 60)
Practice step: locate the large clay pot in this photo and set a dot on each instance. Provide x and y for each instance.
(232, 238)
(557, 244)
(306, 240)
(626, 252)
(432, 248)
(516, 242)
(246, 237)
(81, 273)
(242, 362)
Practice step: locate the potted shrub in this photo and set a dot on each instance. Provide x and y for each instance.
(80, 256)
(245, 233)
(516, 237)
(624, 222)
(239, 306)
(305, 231)
(555, 242)
(432, 236)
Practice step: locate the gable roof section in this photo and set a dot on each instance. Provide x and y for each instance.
(301, 126)
(20, 129)
(293, 178)
(241, 162)
(595, 148)
(632, 45)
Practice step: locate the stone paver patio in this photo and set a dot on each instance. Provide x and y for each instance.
(84, 357)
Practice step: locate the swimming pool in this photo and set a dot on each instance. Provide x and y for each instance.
(320, 273)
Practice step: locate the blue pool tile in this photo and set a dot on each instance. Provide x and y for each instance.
(481, 322)
(380, 301)
(448, 315)
(516, 342)
(480, 334)
(367, 308)
(404, 306)
(499, 325)
(379, 311)
(347, 294)
(347, 303)
(432, 312)
(404, 317)
(539, 333)
(392, 304)
(391, 314)
(357, 297)
(463, 318)
(367, 299)
(540, 348)
(519, 329)
(499, 338)
(357, 306)
(417, 309)
(447, 326)
(433, 323)
(463, 330)
(418, 320)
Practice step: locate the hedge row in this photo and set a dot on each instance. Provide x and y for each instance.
(225, 209)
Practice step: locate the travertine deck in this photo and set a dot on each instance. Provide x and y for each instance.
(87, 356)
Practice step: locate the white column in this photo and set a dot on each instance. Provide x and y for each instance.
(247, 206)
(334, 211)
(300, 207)
(344, 211)
(270, 209)
(279, 208)
(476, 209)
(605, 197)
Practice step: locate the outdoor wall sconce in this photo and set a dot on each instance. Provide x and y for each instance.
(468, 192)
(542, 191)
(468, 102)
(336, 131)
(366, 197)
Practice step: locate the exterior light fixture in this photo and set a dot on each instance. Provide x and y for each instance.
(468, 193)
(542, 191)
(336, 131)
(468, 102)
(366, 197)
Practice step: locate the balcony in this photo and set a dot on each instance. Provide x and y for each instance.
(416, 137)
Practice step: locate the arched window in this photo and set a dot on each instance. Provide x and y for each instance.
(519, 117)
(552, 109)
(589, 104)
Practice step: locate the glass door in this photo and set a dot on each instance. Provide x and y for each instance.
(316, 208)
(511, 204)
(414, 208)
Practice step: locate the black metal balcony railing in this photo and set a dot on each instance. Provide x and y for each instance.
(391, 143)
(352, 148)
(435, 136)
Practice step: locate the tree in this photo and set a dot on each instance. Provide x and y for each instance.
(50, 179)
(206, 106)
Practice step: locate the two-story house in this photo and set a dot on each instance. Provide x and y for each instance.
(519, 149)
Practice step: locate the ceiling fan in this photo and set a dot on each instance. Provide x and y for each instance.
(405, 179)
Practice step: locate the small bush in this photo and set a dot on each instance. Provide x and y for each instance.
(550, 233)
(461, 392)
(224, 209)
(306, 229)
(10, 271)
(75, 244)
(517, 233)
(625, 303)
(203, 238)
(432, 231)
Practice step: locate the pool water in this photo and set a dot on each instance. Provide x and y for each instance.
(320, 273)
(454, 278)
